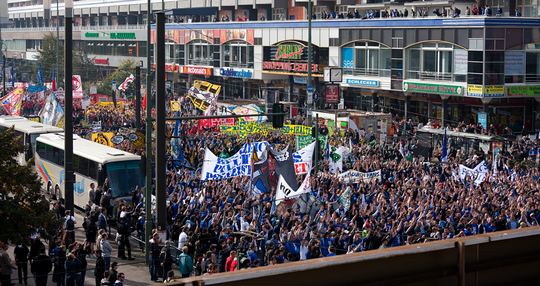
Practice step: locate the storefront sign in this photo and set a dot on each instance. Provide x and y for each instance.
(523, 90)
(485, 91)
(363, 82)
(112, 36)
(299, 80)
(442, 89)
(104, 61)
(172, 67)
(290, 67)
(514, 62)
(233, 72)
(332, 93)
(197, 70)
(289, 52)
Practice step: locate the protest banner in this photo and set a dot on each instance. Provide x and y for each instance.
(303, 159)
(104, 138)
(353, 176)
(239, 164)
(478, 174)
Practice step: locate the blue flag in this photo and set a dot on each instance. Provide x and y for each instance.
(39, 75)
(444, 157)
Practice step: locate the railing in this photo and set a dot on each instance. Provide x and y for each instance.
(429, 75)
(77, 28)
(367, 72)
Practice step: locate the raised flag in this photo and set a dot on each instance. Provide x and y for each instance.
(444, 157)
(12, 101)
(124, 85)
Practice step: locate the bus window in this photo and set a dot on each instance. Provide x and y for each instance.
(123, 177)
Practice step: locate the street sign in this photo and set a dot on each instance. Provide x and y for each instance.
(310, 92)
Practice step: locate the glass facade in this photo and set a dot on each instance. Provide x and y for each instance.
(366, 58)
(238, 54)
(431, 61)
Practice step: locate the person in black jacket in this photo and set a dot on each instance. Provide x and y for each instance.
(21, 259)
(99, 270)
(41, 267)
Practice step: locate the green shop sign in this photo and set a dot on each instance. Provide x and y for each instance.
(114, 36)
(443, 89)
(524, 90)
(289, 52)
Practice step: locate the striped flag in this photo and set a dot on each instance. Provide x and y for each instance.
(126, 82)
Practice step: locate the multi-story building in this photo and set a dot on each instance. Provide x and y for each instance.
(425, 59)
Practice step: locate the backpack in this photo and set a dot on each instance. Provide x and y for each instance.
(70, 224)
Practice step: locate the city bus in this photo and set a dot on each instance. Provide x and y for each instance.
(92, 163)
(28, 130)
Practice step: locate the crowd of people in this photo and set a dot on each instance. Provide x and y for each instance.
(221, 226)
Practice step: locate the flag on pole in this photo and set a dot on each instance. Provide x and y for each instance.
(444, 157)
(12, 101)
(126, 82)
(39, 75)
(53, 81)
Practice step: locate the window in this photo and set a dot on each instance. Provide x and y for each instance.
(366, 58)
(50, 153)
(174, 53)
(238, 54)
(201, 53)
(432, 61)
(121, 177)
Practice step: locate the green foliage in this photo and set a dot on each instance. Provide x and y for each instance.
(126, 68)
(23, 207)
(82, 64)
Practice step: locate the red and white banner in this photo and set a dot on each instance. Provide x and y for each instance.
(215, 122)
(77, 87)
(127, 81)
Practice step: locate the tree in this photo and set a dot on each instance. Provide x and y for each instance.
(82, 64)
(126, 68)
(23, 207)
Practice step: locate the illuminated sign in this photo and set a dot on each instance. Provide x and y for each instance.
(112, 36)
(232, 72)
(363, 82)
(290, 67)
(474, 90)
(197, 70)
(289, 52)
(104, 61)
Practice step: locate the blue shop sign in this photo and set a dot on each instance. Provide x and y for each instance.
(230, 72)
(363, 82)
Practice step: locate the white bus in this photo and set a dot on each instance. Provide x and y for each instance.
(92, 163)
(28, 130)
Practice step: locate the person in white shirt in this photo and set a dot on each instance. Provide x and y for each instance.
(182, 238)
(304, 248)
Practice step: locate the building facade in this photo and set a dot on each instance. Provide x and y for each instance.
(469, 68)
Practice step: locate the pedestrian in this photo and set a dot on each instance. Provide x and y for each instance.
(113, 273)
(59, 260)
(105, 279)
(41, 267)
(106, 250)
(81, 253)
(102, 219)
(21, 259)
(120, 280)
(155, 250)
(232, 262)
(73, 268)
(166, 260)
(90, 230)
(99, 269)
(124, 231)
(185, 263)
(5, 265)
(69, 228)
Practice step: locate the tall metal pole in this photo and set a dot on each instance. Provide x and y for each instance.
(58, 42)
(148, 152)
(317, 147)
(310, 51)
(3, 75)
(138, 97)
(161, 160)
(68, 118)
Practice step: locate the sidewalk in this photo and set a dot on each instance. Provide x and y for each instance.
(136, 271)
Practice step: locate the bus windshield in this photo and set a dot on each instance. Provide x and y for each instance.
(123, 177)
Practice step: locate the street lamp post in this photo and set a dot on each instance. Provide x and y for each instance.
(68, 107)
(310, 89)
(148, 137)
(57, 41)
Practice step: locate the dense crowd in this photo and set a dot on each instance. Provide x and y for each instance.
(220, 226)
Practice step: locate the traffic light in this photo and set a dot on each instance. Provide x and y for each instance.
(277, 120)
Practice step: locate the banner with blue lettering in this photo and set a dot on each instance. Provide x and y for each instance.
(239, 164)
